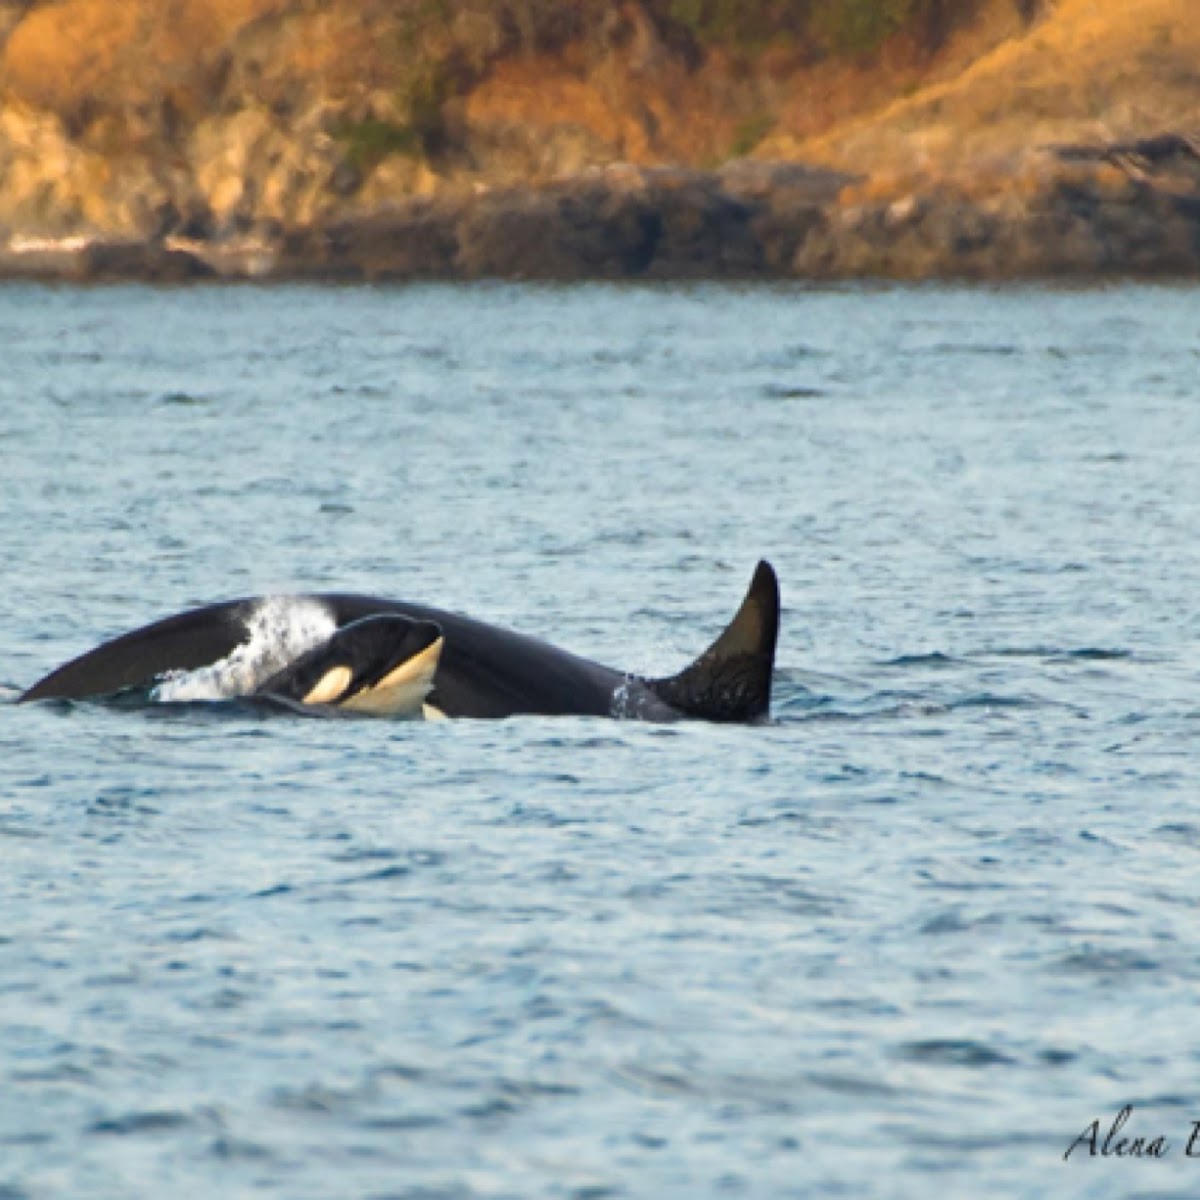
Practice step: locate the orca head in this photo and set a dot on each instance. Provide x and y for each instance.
(380, 666)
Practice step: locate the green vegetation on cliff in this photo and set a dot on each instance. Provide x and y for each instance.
(838, 27)
(835, 27)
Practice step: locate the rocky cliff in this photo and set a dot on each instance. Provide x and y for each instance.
(681, 138)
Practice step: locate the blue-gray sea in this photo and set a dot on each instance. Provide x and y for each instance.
(910, 938)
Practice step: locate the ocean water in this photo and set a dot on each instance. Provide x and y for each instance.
(912, 937)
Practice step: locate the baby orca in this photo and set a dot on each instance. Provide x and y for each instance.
(382, 666)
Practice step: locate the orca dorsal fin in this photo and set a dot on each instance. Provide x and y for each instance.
(731, 680)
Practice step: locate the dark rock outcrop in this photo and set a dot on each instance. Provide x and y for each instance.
(1086, 218)
(150, 261)
(625, 223)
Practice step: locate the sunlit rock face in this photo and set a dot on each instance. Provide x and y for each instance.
(375, 139)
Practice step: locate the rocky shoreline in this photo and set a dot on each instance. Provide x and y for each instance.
(1085, 212)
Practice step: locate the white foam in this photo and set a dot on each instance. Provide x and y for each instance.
(19, 244)
(278, 630)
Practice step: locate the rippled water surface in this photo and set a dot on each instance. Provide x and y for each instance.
(909, 939)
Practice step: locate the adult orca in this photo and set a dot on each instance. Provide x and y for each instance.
(484, 671)
(382, 666)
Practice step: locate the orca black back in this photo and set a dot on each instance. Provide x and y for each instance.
(484, 671)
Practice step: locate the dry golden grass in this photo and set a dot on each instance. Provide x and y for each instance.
(79, 56)
(57, 57)
(1089, 71)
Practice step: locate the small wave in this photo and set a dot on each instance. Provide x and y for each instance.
(1100, 960)
(154, 1121)
(783, 391)
(953, 1052)
(992, 700)
(972, 349)
(278, 630)
(383, 875)
(933, 659)
(1057, 654)
(900, 706)
(182, 399)
(846, 1084)
(227, 1148)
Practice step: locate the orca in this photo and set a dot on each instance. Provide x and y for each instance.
(381, 666)
(482, 670)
